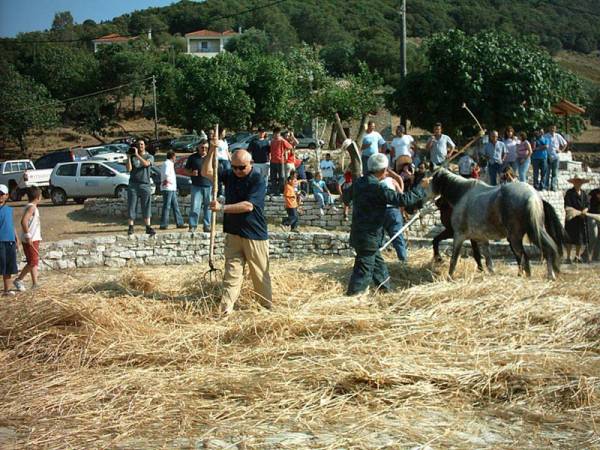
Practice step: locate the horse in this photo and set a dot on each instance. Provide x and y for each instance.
(482, 212)
(448, 232)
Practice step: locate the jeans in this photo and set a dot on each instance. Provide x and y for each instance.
(522, 168)
(540, 167)
(392, 223)
(552, 174)
(369, 267)
(138, 193)
(292, 218)
(494, 169)
(277, 181)
(200, 200)
(323, 198)
(263, 170)
(170, 201)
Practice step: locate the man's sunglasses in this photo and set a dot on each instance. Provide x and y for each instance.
(239, 167)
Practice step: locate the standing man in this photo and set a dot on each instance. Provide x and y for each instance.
(168, 187)
(370, 199)
(277, 149)
(372, 143)
(403, 145)
(259, 149)
(245, 227)
(139, 164)
(495, 151)
(437, 146)
(201, 188)
(556, 144)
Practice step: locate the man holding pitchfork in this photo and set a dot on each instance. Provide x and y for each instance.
(245, 227)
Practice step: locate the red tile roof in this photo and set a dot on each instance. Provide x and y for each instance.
(208, 33)
(113, 37)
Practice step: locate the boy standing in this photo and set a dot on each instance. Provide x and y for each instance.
(8, 241)
(291, 201)
(31, 237)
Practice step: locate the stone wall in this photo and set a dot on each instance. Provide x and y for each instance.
(190, 248)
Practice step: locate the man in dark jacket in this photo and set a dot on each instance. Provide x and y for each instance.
(370, 198)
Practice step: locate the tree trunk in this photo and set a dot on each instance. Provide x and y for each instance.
(22, 143)
(133, 104)
(352, 149)
(361, 130)
(333, 138)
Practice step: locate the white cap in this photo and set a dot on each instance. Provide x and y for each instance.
(377, 162)
(3, 189)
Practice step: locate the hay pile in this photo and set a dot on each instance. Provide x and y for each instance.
(139, 361)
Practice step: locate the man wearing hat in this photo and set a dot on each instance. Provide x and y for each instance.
(575, 226)
(370, 199)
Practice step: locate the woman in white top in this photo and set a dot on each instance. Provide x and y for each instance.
(30, 237)
(511, 142)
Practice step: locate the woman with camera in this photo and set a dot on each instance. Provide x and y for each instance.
(139, 165)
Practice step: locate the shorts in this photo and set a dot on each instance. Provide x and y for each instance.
(8, 257)
(32, 253)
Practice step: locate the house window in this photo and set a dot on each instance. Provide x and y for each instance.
(203, 46)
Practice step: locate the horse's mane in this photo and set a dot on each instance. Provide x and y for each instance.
(450, 186)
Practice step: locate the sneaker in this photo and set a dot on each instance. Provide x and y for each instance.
(181, 226)
(321, 211)
(206, 229)
(9, 293)
(19, 285)
(150, 231)
(130, 230)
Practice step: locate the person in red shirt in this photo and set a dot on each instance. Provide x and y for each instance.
(278, 147)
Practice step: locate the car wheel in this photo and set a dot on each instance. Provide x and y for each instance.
(79, 200)
(121, 192)
(59, 197)
(312, 146)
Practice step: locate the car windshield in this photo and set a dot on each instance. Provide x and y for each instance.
(118, 167)
(99, 151)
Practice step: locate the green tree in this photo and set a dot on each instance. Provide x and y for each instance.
(251, 42)
(62, 21)
(26, 106)
(486, 72)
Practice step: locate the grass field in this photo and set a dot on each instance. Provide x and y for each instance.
(138, 359)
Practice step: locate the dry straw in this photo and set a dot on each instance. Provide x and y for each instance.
(140, 360)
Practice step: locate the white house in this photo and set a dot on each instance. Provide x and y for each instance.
(207, 43)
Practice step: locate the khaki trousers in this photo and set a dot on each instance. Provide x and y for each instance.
(238, 252)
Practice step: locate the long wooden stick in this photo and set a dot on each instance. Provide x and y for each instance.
(213, 218)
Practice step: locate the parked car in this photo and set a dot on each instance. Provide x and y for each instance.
(11, 173)
(237, 137)
(102, 152)
(49, 160)
(184, 183)
(90, 178)
(185, 143)
(308, 142)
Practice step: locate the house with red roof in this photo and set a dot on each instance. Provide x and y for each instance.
(111, 39)
(207, 43)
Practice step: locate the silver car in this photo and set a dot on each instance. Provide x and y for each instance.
(83, 179)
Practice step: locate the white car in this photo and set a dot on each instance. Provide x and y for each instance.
(104, 153)
(83, 179)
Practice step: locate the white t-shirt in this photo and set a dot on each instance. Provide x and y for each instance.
(373, 141)
(35, 229)
(465, 165)
(223, 150)
(401, 146)
(327, 168)
(168, 178)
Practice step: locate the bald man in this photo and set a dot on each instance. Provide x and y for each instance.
(245, 227)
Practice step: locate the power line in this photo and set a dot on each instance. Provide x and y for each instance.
(211, 19)
(79, 97)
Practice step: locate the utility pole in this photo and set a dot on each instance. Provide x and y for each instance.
(155, 111)
(403, 39)
(403, 49)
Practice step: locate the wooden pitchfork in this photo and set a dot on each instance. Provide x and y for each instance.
(213, 274)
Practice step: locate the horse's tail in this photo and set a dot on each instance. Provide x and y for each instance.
(554, 227)
(536, 232)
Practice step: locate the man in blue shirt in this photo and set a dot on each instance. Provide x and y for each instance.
(495, 151)
(556, 144)
(372, 144)
(245, 227)
(438, 146)
(539, 160)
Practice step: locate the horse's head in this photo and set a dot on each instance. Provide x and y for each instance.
(439, 180)
(448, 185)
